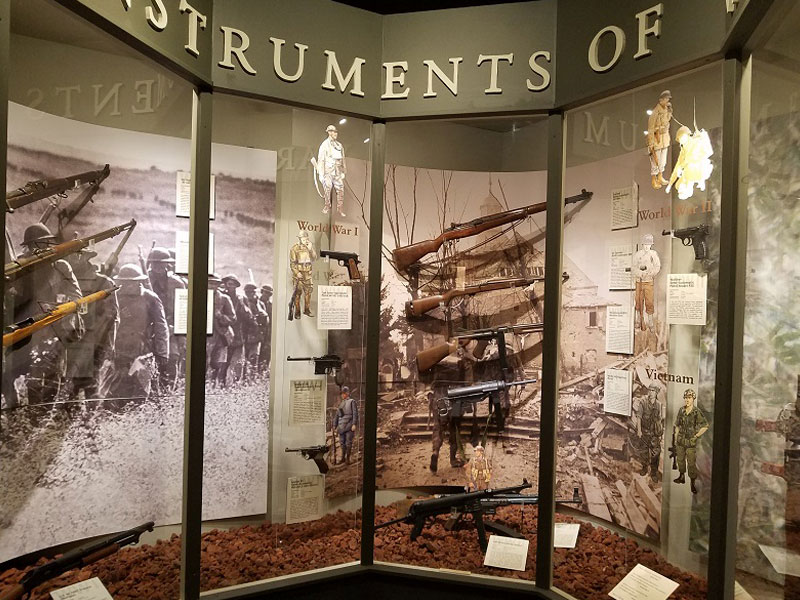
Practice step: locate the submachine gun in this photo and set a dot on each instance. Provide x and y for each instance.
(329, 364)
(75, 559)
(468, 502)
(462, 400)
(315, 453)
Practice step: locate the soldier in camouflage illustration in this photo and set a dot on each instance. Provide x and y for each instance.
(650, 429)
(690, 424)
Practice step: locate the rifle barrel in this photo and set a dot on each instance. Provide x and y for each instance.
(420, 306)
(44, 188)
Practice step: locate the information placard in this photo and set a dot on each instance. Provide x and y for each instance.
(643, 584)
(91, 589)
(619, 267)
(625, 207)
(304, 498)
(619, 329)
(307, 402)
(617, 391)
(334, 307)
(181, 312)
(506, 553)
(566, 535)
(182, 252)
(686, 299)
(183, 193)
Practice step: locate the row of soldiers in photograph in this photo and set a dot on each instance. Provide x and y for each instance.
(125, 345)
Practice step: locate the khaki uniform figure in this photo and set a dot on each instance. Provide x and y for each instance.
(650, 432)
(330, 169)
(645, 265)
(690, 424)
(658, 139)
(301, 259)
(443, 421)
(164, 282)
(479, 471)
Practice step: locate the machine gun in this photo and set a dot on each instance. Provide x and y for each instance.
(469, 502)
(489, 506)
(405, 256)
(44, 188)
(430, 357)
(40, 258)
(315, 453)
(692, 236)
(462, 400)
(75, 559)
(18, 334)
(328, 364)
(345, 259)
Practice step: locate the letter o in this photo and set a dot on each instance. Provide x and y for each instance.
(619, 47)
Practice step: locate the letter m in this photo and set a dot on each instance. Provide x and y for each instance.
(593, 134)
(354, 73)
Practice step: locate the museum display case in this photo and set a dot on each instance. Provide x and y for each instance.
(274, 297)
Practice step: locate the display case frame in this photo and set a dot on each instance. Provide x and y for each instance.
(734, 54)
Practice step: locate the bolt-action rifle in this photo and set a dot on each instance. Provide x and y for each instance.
(18, 334)
(24, 265)
(490, 506)
(67, 214)
(405, 256)
(44, 188)
(469, 502)
(430, 357)
(328, 364)
(692, 236)
(75, 559)
(315, 453)
(345, 259)
(462, 400)
(109, 265)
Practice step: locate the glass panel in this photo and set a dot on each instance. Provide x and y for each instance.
(461, 330)
(768, 500)
(91, 426)
(284, 410)
(638, 333)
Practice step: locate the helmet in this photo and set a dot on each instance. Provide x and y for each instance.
(345, 390)
(665, 94)
(250, 286)
(303, 235)
(130, 272)
(159, 254)
(690, 393)
(331, 128)
(683, 131)
(230, 277)
(38, 232)
(647, 238)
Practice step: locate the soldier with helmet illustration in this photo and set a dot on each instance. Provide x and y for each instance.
(223, 334)
(163, 282)
(301, 258)
(690, 424)
(252, 327)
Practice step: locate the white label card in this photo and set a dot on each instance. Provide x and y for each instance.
(643, 584)
(783, 561)
(566, 535)
(304, 498)
(183, 193)
(182, 252)
(307, 402)
(334, 307)
(181, 312)
(686, 299)
(619, 329)
(619, 267)
(506, 553)
(625, 207)
(617, 391)
(91, 589)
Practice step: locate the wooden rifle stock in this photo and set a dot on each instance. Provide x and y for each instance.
(419, 306)
(407, 255)
(427, 359)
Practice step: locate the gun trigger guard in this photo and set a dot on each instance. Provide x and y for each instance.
(687, 241)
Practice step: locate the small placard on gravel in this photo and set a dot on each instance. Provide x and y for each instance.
(506, 553)
(91, 589)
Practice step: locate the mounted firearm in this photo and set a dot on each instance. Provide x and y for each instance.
(44, 188)
(692, 236)
(75, 559)
(315, 453)
(462, 400)
(24, 265)
(345, 259)
(328, 364)
(405, 256)
(490, 506)
(420, 306)
(430, 357)
(469, 502)
(108, 267)
(18, 334)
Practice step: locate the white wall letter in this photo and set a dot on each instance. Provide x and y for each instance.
(276, 60)
(113, 94)
(433, 68)
(229, 50)
(354, 73)
(393, 77)
(494, 58)
(195, 20)
(619, 46)
(539, 70)
(144, 93)
(644, 30)
(159, 21)
(67, 91)
(600, 135)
